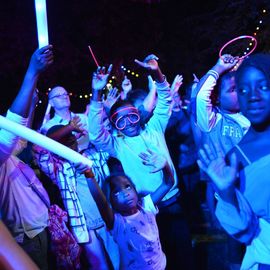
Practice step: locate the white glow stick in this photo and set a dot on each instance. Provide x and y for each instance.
(42, 26)
(45, 142)
(47, 114)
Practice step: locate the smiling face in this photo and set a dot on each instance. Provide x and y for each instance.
(126, 118)
(253, 89)
(123, 195)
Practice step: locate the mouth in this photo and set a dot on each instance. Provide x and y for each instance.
(255, 110)
(129, 202)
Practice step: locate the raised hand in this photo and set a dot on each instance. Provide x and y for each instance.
(112, 97)
(150, 62)
(100, 78)
(226, 62)
(213, 163)
(41, 59)
(177, 82)
(157, 161)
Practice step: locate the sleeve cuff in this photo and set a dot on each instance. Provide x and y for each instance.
(213, 73)
(16, 118)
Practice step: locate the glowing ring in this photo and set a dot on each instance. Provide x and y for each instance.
(240, 37)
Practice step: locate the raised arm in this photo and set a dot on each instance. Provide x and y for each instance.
(150, 100)
(162, 109)
(159, 162)
(40, 60)
(205, 114)
(100, 199)
(20, 108)
(98, 133)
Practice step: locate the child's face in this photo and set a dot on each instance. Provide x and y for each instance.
(123, 196)
(253, 90)
(228, 96)
(127, 120)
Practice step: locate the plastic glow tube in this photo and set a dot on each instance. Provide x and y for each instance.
(43, 141)
(42, 25)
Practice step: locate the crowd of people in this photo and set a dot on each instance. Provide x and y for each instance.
(150, 150)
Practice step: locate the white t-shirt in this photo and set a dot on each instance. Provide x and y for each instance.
(138, 239)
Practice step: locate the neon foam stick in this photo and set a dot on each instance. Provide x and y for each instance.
(47, 114)
(237, 38)
(42, 26)
(43, 141)
(93, 56)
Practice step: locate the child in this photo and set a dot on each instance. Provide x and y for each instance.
(222, 124)
(85, 220)
(243, 210)
(133, 140)
(131, 223)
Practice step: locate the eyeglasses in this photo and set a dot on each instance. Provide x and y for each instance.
(60, 96)
(121, 122)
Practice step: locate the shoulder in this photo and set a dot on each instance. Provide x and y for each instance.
(146, 203)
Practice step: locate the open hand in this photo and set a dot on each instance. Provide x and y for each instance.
(150, 62)
(112, 97)
(212, 162)
(157, 161)
(177, 82)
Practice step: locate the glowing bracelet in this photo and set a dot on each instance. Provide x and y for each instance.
(42, 26)
(43, 141)
(235, 39)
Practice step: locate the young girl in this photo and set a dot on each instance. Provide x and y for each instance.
(132, 224)
(243, 208)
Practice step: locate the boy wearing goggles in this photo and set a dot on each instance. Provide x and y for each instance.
(135, 140)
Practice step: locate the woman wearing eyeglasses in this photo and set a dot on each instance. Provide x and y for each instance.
(134, 140)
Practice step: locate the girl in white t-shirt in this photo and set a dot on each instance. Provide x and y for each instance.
(131, 218)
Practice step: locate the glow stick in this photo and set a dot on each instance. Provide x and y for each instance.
(237, 38)
(93, 56)
(45, 142)
(47, 114)
(42, 26)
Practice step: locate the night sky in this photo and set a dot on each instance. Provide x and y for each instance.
(185, 36)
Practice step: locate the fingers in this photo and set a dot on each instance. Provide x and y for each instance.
(45, 49)
(233, 161)
(229, 59)
(102, 70)
(109, 69)
(151, 57)
(206, 155)
(140, 63)
(195, 78)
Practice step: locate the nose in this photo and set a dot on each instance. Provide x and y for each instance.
(126, 193)
(254, 94)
